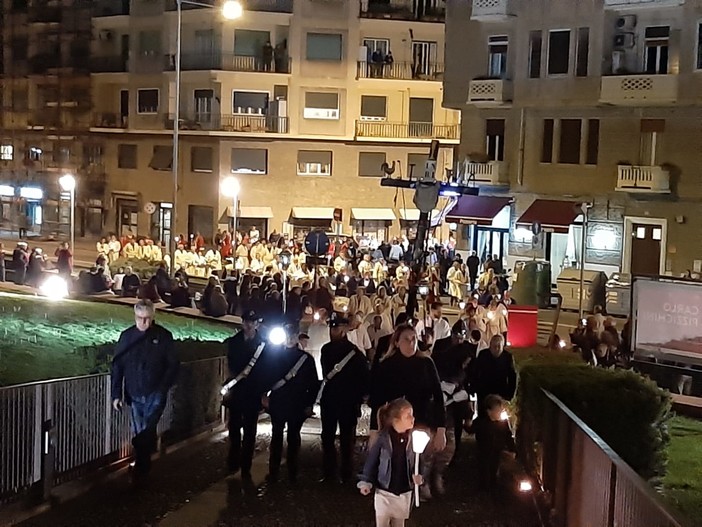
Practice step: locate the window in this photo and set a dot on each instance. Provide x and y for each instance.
(421, 117)
(569, 150)
(203, 105)
(699, 45)
(651, 136)
(423, 58)
(150, 43)
(373, 107)
(7, 152)
(162, 158)
(495, 139)
(319, 105)
(497, 57)
(20, 100)
(558, 52)
(249, 43)
(34, 153)
(535, 43)
(249, 161)
(657, 234)
(201, 159)
(547, 142)
(593, 142)
(147, 101)
(416, 164)
(656, 41)
(583, 52)
(126, 156)
(324, 46)
(381, 45)
(18, 46)
(250, 103)
(92, 154)
(370, 164)
(314, 163)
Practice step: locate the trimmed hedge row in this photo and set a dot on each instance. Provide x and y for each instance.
(629, 412)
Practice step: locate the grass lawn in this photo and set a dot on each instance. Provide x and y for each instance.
(682, 485)
(43, 339)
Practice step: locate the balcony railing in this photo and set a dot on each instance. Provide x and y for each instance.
(490, 173)
(490, 91)
(272, 124)
(229, 62)
(400, 71)
(637, 4)
(151, 62)
(490, 9)
(111, 8)
(411, 130)
(113, 64)
(109, 120)
(403, 10)
(639, 89)
(643, 179)
(272, 6)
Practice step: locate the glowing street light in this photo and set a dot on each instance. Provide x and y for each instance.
(54, 288)
(277, 336)
(232, 9)
(68, 184)
(420, 440)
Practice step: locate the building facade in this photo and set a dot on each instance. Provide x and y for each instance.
(576, 102)
(301, 101)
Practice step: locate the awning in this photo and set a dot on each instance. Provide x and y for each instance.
(252, 212)
(413, 214)
(477, 210)
(363, 214)
(313, 213)
(553, 215)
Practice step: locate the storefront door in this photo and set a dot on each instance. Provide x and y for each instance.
(127, 216)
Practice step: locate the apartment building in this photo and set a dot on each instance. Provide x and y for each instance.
(298, 100)
(45, 118)
(573, 102)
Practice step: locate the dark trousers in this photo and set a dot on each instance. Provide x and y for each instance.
(146, 412)
(20, 275)
(346, 419)
(458, 413)
(2, 271)
(294, 424)
(473, 279)
(488, 465)
(241, 452)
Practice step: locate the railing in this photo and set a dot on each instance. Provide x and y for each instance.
(109, 120)
(639, 89)
(619, 4)
(146, 63)
(273, 6)
(231, 123)
(229, 62)
(490, 173)
(110, 8)
(383, 129)
(403, 10)
(113, 64)
(490, 9)
(400, 71)
(55, 431)
(495, 91)
(645, 179)
(590, 484)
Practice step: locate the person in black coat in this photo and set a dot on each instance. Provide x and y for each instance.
(346, 381)
(130, 283)
(493, 436)
(180, 294)
(163, 281)
(20, 261)
(493, 372)
(144, 368)
(473, 265)
(243, 398)
(292, 395)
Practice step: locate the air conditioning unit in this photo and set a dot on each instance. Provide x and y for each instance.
(625, 23)
(106, 35)
(623, 40)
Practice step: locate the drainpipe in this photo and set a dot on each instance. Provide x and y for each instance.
(522, 139)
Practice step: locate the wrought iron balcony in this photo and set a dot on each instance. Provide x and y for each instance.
(230, 123)
(229, 62)
(111, 64)
(109, 120)
(403, 10)
(400, 71)
(409, 130)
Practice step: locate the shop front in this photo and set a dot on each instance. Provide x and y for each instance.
(371, 226)
(304, 220)
(482, 225)
(250, 217)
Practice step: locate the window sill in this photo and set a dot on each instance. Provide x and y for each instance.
(314, 175)
(201, 171)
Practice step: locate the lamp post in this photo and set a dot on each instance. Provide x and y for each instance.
(231, 10)
(585, 207)
(229, 187)
(68, 184)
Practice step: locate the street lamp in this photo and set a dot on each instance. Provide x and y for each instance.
(68, 184)
(229, 187)
(231, 10)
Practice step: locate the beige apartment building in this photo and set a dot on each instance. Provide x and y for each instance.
(570, 101)
(298, 100)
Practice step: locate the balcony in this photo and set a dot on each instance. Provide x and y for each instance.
(45, 14)
(270, 6)
(403, 10)
(490, 91)
(43, 119)
(620, 5)
(643, 179)
(112, 64)
(254, 124)
(111, 8)
(108, 120)
(400, 71)
(228, 62)
(490, 10)
(639, 89)
(491, 173)
(411, 130)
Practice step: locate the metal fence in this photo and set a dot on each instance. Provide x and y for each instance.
(54, 431)
(591, 486)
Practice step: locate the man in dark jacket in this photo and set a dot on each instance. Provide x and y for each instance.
(143, 370)
(473, 264)
(290, 400)
(20, 261)
(345, 383)
(245, 359)
(493, 373)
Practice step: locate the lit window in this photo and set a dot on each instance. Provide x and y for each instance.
(35, 153)
(7, 152)
(314, 163)
(658, 234)
(641, 233)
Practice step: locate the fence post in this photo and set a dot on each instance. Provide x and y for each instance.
(612, 495)
(107, 385)
(48, 440)
(563, 459)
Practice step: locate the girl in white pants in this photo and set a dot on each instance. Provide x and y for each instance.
(390, 464)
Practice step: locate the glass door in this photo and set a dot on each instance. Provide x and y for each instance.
(423, 58)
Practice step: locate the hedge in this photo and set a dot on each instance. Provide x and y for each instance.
(629, 412)
(144, 269)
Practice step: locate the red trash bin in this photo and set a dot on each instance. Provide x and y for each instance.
(523, 327)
